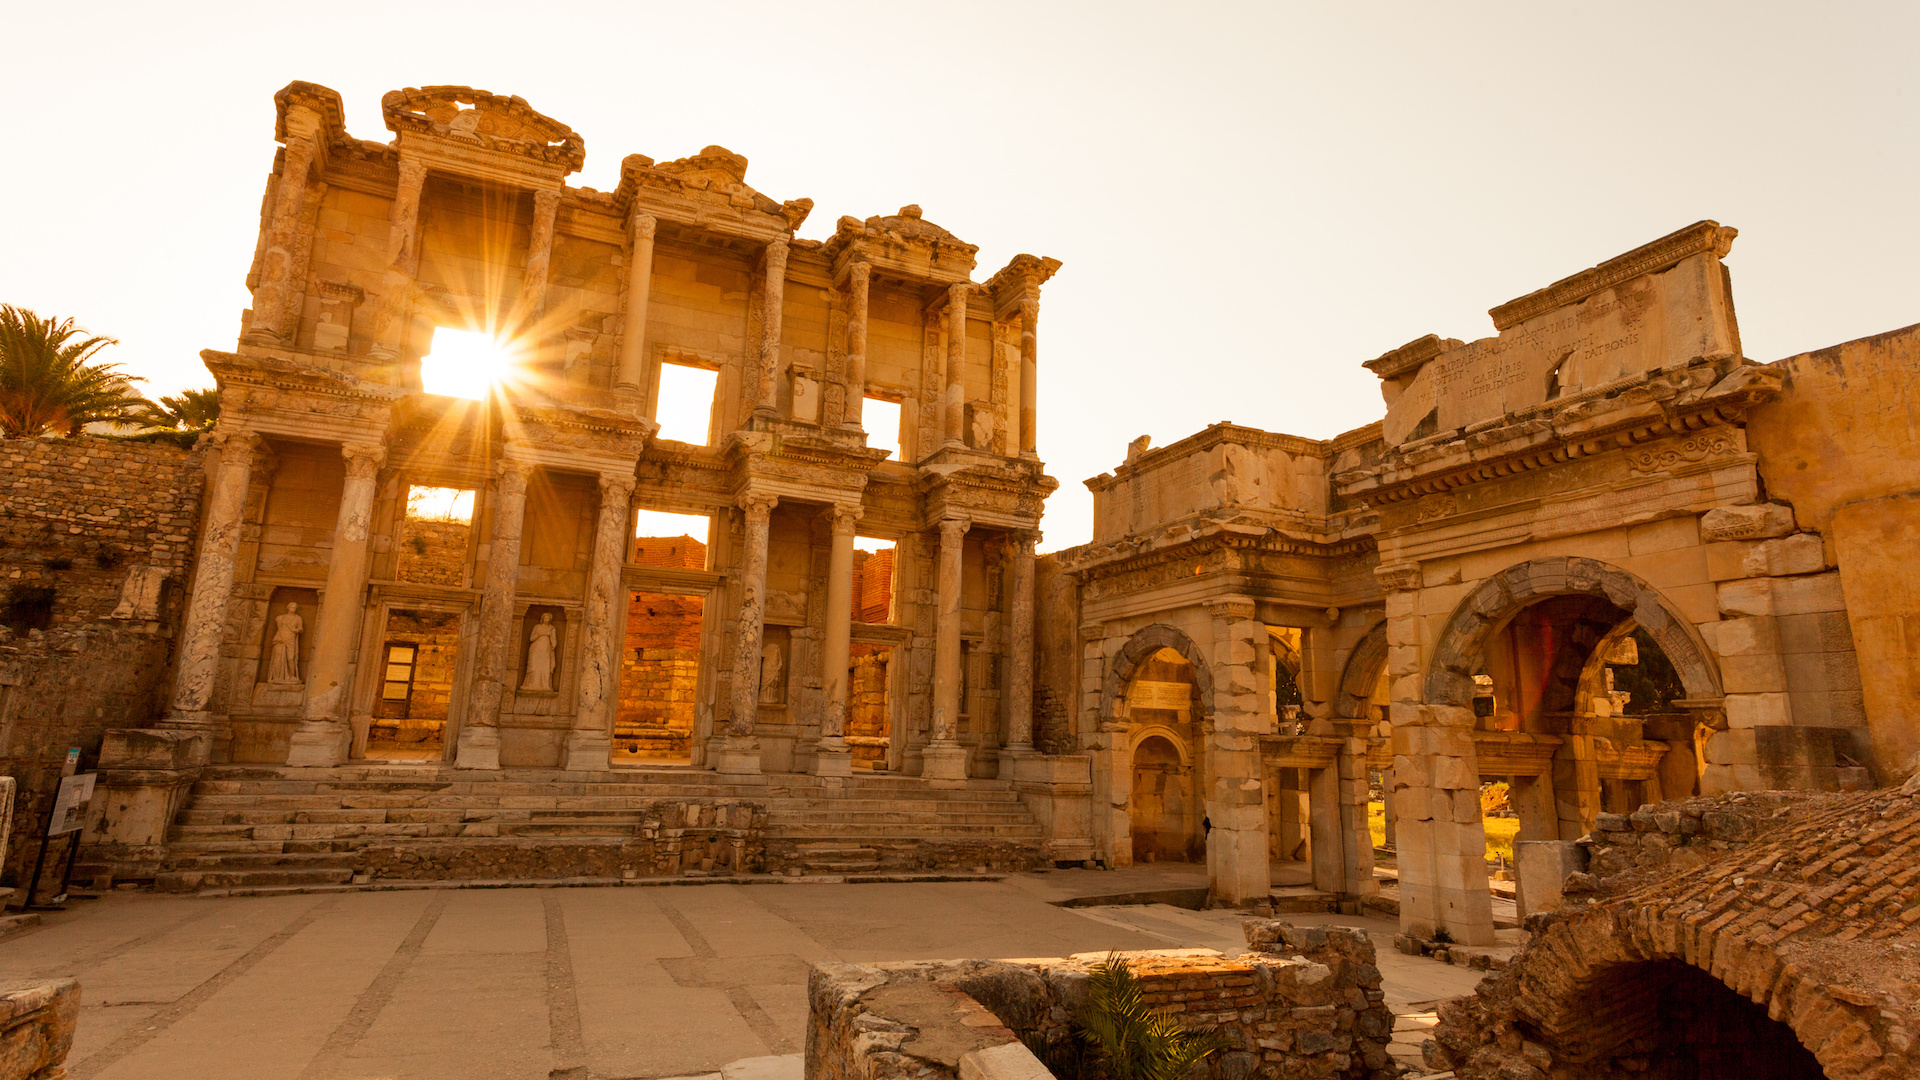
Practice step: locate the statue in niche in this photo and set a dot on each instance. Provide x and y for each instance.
(772, 667)
(542, 645)
(283, 656)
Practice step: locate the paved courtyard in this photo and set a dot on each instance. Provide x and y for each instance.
(533, 983)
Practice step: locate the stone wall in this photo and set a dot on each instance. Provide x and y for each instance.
(1303, 1003)
(102, 531)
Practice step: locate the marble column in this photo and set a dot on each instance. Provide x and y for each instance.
(772, 296)
(738, 751)
(206, 618)
(272, 322)
(479, 746)
(956, 397)
(321, 738)
(1029, 375)
(590, 744)
(1020, 649)
(389, 324)
(832, 758)
(533, 276)
(859, 277)
(633, 339)
(944, 758)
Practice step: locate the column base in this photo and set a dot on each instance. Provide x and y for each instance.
(832, 758)
(317, 744)
(479, 748)
(589, 751)
(1022, 763)
(944, 763)
(735, 755)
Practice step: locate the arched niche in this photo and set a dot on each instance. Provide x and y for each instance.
(1136, 652)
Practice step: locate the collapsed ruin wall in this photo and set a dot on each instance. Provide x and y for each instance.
(1304, 1004)
(1771, 936)
(104, 531)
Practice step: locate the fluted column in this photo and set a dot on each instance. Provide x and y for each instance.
(270, 315)
(533, 276)
(1029, 376)
(591, 741)
(832, 757)
(322, 736)
(403, 260)
(859, 277)
(479, 746)
(739, 753)
(1020, 644)
(956, 403)
(944, 758)
(633, 339)
(772, 296)
(206, 620)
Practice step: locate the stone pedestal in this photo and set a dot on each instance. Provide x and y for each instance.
(1023, 763)
(832, 760)
(317, 744)
(944, 761)
(589, 751)
(735, 755)
(478, 748)
(144, 778)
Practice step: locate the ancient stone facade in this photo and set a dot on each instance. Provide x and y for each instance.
(1603, 556)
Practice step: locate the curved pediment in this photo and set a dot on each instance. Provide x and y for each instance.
(488, 121)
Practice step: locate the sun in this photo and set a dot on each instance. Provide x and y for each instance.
(464, 363)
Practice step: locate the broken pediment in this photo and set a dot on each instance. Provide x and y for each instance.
(1657, 306)
(905, 244)
(716, 176)
(461, 114)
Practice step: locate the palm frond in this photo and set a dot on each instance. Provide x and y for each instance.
(50, 381)
(1136, 1041)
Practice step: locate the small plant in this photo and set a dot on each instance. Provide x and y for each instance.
(419, 544)
(1133, 1041)
(1441, 936)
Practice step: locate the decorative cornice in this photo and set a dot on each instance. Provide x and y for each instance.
(1707, 236)
(501, 124)
(1089, 562)
(1206, 439)
(1409, 358)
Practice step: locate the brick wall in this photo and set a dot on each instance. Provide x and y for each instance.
(106, 529)
(679, 552)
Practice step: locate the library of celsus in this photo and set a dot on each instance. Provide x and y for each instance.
(369, 629)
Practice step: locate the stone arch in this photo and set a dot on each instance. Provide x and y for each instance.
(1138, 649)
(1463, 643)
(1369, 656)
(1164, 732)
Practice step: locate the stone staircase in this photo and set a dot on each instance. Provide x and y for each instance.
(268, 827)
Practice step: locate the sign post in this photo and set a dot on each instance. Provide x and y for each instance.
(68, 817)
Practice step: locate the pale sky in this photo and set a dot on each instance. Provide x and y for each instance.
(1249, 199)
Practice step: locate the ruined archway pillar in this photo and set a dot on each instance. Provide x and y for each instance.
(206, 619)
(956, 392)
(944, 758)
(1238, 873)
(859, 279)
(321, 738)
(590, 743)
(270, 296)
(479, 745)
(772, 296)
(633, 339)
(1436, 787)
(831, 756)
(738, 751)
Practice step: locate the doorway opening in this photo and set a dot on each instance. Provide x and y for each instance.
(869, 726)
(659, 679)
(417, 654)
(1164, 814)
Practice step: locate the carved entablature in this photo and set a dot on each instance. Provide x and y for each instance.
(707, 191)
(904, 245)
(797, 469)
(277, 396)
(1140, 562)
(575, 437)
(992, 492)
(1019, 281)
(458, 128)
(309, 110)
(1657, 405)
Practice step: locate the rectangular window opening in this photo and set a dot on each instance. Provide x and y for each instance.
(434, 534)
(464, 363)
(673, 540)
(873, 563)
(881, 418)
(659, 679)
(684, 404)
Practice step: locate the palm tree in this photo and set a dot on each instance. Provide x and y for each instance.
(192, 410)
(1134, 1041)
(49, 380)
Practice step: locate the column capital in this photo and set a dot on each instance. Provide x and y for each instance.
(617, 487)
(758, 506)
(958, 291)
(1030, 310)
(1230, 607)
(1023, 541)
(237, 440)
(952, 529)
(643, 225)
(846, 519)
(1398, 577)
(413, 172)
(860, 272)
(546, 201)
(511, 476)
(363, 459)
(776, 254)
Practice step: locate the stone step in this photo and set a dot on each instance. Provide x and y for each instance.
(908, 831)
(253, 860)
(195, 880)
